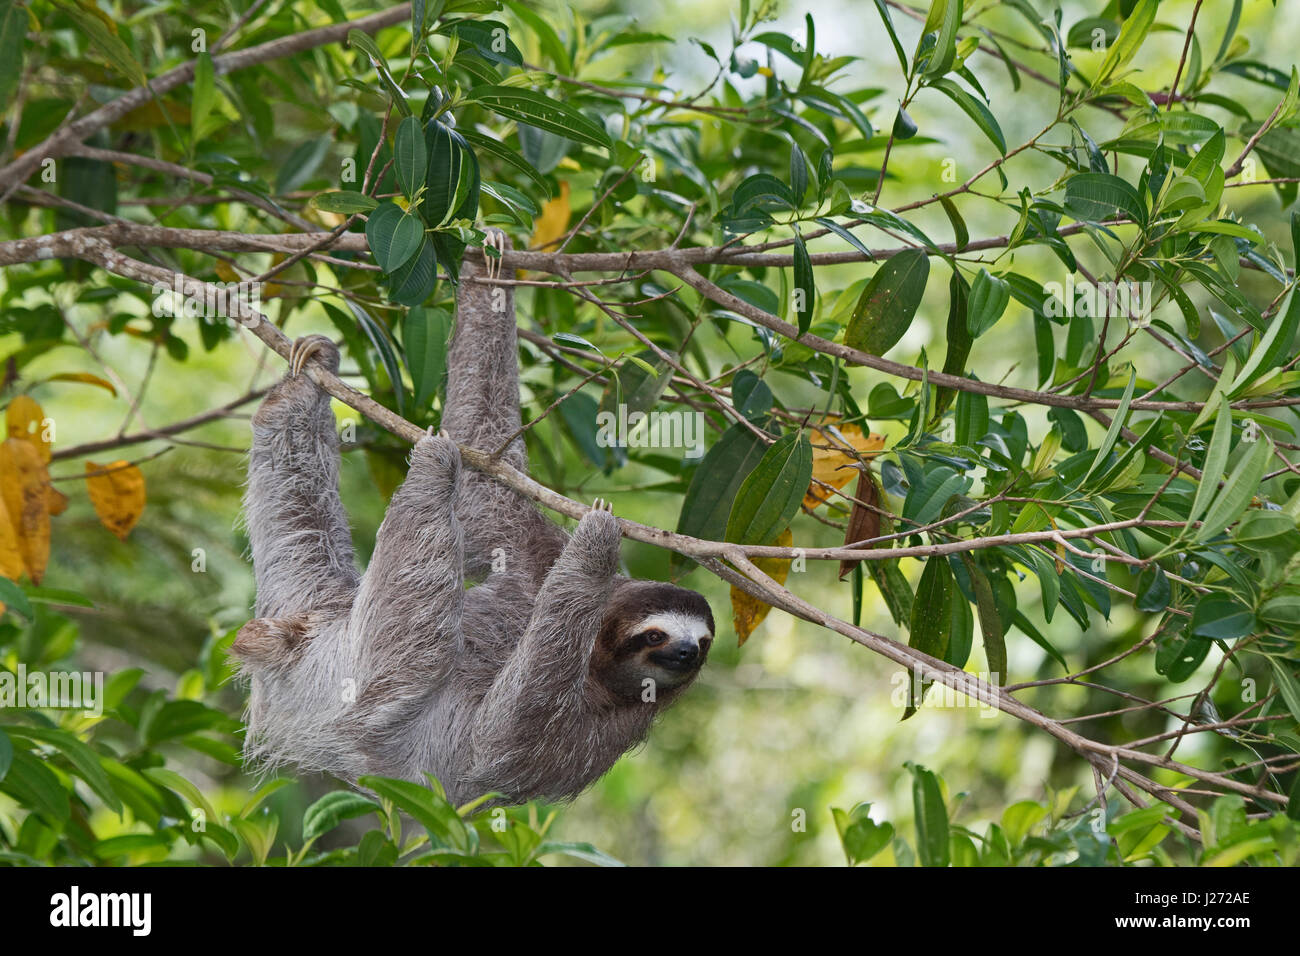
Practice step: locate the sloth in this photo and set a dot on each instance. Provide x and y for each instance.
(483, 644)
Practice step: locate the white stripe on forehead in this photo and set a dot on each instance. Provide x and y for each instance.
(676, 624)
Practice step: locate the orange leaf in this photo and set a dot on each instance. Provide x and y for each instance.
(85, 377)
(24, 419)
(747, 611)
(553, 221)
(117, 492)
(56, 502)
(23, 486)
(829, 463)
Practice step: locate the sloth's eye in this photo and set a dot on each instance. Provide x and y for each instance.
(654, 638)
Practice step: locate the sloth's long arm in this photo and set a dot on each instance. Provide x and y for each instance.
(546, 673)
(409, 608)
(482, 411)
(301, 545)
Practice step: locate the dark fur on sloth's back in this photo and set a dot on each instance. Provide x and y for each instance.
(403, 670)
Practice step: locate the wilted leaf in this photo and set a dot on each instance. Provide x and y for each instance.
(117, 492)
(11, 558)
(864, 519)
(23, 485)
(835, 466)
(23, 420)
(747, 611)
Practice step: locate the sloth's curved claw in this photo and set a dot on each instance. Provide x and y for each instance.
(435, 432)
(495, 239)
(304, 348)
(600, 504)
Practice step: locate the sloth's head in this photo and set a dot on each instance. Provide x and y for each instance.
(652, 631)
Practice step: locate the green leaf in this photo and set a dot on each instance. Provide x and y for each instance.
(805, 286)
(860, 836)
(976, 110)
(1274, 347)
(379, 340)
(34, 785)
(931, 817)
(425, 334)
(1128, 43)
(410, 157)
(175, 782)
(85, 761)
(1116, 426)
(543, 112)
(394, 235)
(1153, 589)
(1180, 655)
(579, 851)
(13, 31)
(95, 26)
(1286, 686)
(332, 809)
(1239, 487)
(6, 754)
(362, 41)
(1221, 617)
(888, 303)
(344, 202)
(989, 296)
(12, 597)
(931, 618)
(716, 483)
(991, 627)
(205, 95)
(1095, 197)
(431, 811)
(770, 496)
(485, 144)
(945, 48)
(961, 235)
(1216, 459)
(893, 36)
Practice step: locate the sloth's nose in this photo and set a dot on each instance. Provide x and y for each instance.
(686, 652)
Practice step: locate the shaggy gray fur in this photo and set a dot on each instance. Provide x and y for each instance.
(405, 669)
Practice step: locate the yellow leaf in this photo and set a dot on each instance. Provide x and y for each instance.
(84, 377)
(117, 492)
(553, 222)
(747, 612)
(226, 272)
(24, 419)
(11, 558)
(23, 486)
(829, 463)
(56, 502)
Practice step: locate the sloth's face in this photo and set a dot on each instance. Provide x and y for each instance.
(657, 639)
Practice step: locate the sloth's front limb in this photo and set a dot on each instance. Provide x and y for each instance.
(407, 615)
(298, 531)
(546, 675)
(504, 532)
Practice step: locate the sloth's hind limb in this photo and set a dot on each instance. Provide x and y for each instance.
(297, 529)
(407, 615)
